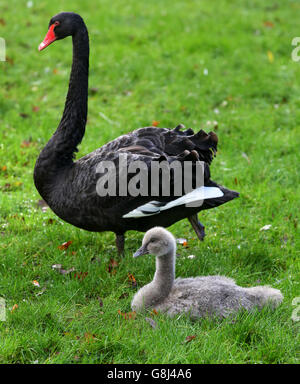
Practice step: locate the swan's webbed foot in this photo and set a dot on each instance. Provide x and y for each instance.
(120, 241)
(197, 226)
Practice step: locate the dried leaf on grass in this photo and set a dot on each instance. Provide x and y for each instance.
(14, 307)
(80, 275)
(65, 246)
(112, 265)
(24, 116)
(89, 337)
(127, 315)
(35, 108)
(132, 280)
(268, 24)
(26, 143)
(188, 339)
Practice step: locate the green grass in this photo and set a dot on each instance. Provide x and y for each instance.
(148, 60)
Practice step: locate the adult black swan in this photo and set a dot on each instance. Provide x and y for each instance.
(71, 187)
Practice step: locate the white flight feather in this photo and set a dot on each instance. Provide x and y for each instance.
(198, 194)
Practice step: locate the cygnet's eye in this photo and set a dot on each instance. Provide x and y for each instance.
(153, 240)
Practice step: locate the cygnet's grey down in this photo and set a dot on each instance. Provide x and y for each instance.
(195, 296)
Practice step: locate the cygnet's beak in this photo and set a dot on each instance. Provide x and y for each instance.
(141, 251)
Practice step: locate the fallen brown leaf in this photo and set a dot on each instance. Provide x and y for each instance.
(65, 246)
(80, 275)
(128, 315)
(113, 264)
(188, 339)
(89, 336)
(25, 143)
(10, 60)
(24, 115)
(132, 280)
(14, 307)
(268, 24)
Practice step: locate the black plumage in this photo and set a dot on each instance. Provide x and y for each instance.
(69, 187)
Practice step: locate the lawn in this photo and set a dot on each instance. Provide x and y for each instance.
(217, 65)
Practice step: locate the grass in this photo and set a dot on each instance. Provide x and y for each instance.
(175, 62)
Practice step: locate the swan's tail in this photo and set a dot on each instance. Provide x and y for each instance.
(228, 195)
(265, 295)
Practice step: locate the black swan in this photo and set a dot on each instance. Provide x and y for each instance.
(70, 187)
(196, 296)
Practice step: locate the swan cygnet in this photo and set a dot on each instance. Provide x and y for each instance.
(196, 296)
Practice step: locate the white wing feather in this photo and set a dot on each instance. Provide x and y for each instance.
(155, 207)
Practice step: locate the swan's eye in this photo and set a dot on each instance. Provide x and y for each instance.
(56, 23)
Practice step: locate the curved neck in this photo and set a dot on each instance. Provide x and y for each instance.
(60, 149)
(165, 274)
(160, 287)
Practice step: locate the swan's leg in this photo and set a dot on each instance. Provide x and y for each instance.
(197, 226)
(120, 241)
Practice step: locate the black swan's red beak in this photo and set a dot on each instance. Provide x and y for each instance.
(49, 38)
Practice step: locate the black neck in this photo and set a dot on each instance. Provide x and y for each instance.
(59, 151)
